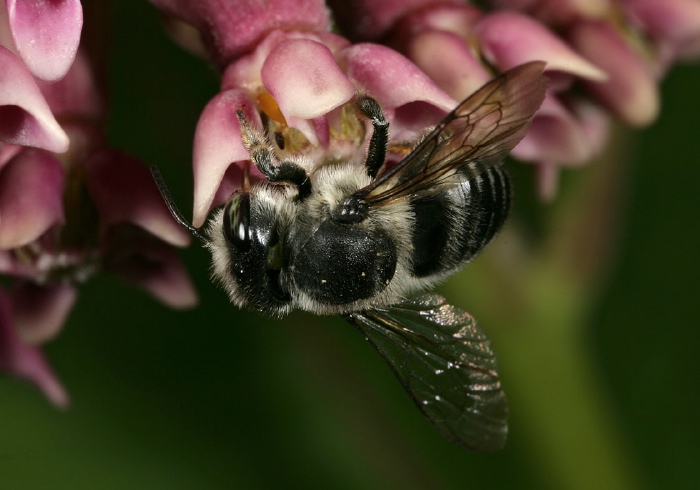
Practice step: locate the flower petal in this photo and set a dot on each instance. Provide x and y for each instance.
(455, 68)
(7, 152)
(554, 136)
(41, 311)
(305, 80)
(12, 265)
(458, 19)
(123, 190)
(559, 12)
(186, 35)
(76, 94)
(154, 266)
(371, 19)
(245, 72)
(284, 80)
(25, 117)
(595, 123)
(25, 361)
(631, 91)
(676, 22)
(411, 101)
(509, 39)
(391, 78)
(31, 197)
(46, 34)
(217, 145)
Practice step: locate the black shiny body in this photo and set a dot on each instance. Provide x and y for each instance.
(452, 226)
(343, 263)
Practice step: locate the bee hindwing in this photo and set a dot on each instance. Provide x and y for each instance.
(445, 363)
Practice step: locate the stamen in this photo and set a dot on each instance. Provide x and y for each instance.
(269, 106)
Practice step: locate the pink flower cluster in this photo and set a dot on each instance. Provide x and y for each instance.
(604, 59)
(64, 210)
(70, 206)
(297, 80)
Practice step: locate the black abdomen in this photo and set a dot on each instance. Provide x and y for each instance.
(454, 225)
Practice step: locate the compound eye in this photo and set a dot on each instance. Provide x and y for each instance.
(237, 221)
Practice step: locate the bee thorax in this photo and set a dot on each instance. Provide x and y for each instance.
(342, 264)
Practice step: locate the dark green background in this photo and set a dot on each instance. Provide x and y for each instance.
(221, 398)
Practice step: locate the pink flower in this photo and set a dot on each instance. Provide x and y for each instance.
(53, 236)
(450, 43)
(600, 50)
(63, 219)
(302, 81)
(634, 41)
(136, 235)
(305, 83)
(556, 136)
(671, 27)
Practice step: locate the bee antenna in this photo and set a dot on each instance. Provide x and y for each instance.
(170, 203)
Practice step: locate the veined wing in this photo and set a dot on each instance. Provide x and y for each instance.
(478, 134)
(445, 363)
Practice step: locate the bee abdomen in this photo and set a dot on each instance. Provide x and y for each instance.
(451, 227)
(487, 203)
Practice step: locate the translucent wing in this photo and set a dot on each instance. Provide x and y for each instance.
(478, 134)
(445, 363)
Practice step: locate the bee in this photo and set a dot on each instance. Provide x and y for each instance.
(366, 241)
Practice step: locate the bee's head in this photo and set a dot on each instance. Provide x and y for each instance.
(246, 240)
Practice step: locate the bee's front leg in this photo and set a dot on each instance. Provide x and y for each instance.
(262, 156)
(376, 154)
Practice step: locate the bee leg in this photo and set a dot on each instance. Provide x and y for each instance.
(294, 174)
(262, 156)
(376, 153)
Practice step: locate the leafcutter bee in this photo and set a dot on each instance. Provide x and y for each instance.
(366, 241)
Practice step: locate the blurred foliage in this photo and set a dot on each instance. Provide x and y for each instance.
(221, 398)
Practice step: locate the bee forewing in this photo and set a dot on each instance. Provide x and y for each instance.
(478, 134)
(445, 363)
(489, 124)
